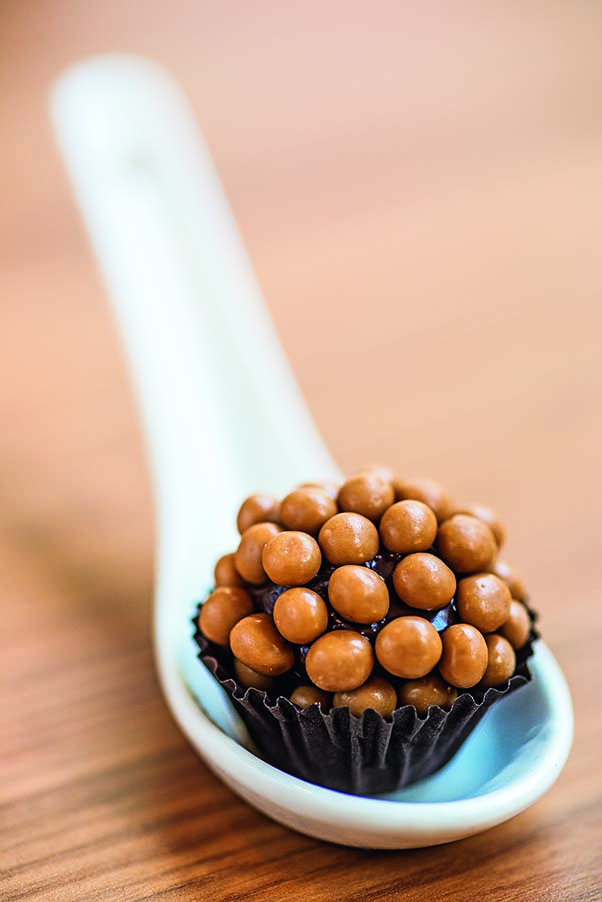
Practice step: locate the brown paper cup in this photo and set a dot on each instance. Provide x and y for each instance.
(364, 755)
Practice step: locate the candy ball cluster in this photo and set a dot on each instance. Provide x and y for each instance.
(376, 593)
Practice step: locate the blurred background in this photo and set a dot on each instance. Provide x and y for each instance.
(420, 190)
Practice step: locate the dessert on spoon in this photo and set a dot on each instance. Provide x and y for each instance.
(361, 630)
(219, 424)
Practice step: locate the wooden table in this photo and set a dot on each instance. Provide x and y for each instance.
(419, 189)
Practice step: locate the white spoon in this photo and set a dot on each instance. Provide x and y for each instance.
(223, 418)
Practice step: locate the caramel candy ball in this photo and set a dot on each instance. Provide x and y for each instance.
(256, 642)
(464, 658)
(408, 647)
(300, 615)
(466, 544)
(501, 661)
(307, 695)
(339, 661)
(250, 678)
(331, 488)
(481, 512)
(225, 572)
(426, 490)
(517, 627)
(291, 558)
(483, 600)
(358, 594)
(257, 509)
(408, 526)
(423, 581)
(375, 693)
(385, 473)
(247, 557)
(368, 494)
(307, 510)
(348, 539)
(222, 610)
(430, 690)
(514, 583)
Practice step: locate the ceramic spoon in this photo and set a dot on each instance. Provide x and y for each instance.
(223, 418)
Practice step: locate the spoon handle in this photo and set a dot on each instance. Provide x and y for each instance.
(221, 410)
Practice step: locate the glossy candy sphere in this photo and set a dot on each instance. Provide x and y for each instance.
(484, 601)
(348, 538)
(408, 526)
(466, 544)
(429, 690)
(367, 494)
(250, 678)
(486, 515)
(258, 508)
(517, 627)
(501, 661)
(426, 490)
(257, 643)
(514, 582)
(339, 661)
(225, 572)
(408, 647)
(307, 509)
(248, 555)
(307, 694)
(358, 594)
(464, 658)
(300, 615)
(291, 558)
(223, 609)
(375, 693)
(423, 581)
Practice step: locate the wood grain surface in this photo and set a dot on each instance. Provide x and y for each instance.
(420, 190)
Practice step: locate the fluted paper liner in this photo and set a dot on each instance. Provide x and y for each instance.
(363, 755)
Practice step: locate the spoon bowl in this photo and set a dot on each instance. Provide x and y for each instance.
(223, 417)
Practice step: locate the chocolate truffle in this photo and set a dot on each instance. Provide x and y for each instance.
(426, 490)
(367, 494)
(484, 601)
(501, 661)
(225, 572)
(300, 615)
(375, 693)
(257, 643)
(358, 594)
(223, 609)
(307, 509)
(466, 543)
(348, 539)
(408, 647)
(308, 694)
(339, 661)
(408, 526)
(464, 658)
(430, 690)
(247, 557)
(517, 627)
(481, 512)
(250, 678)
(257, 509)
(423, 581)
(291, 558)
